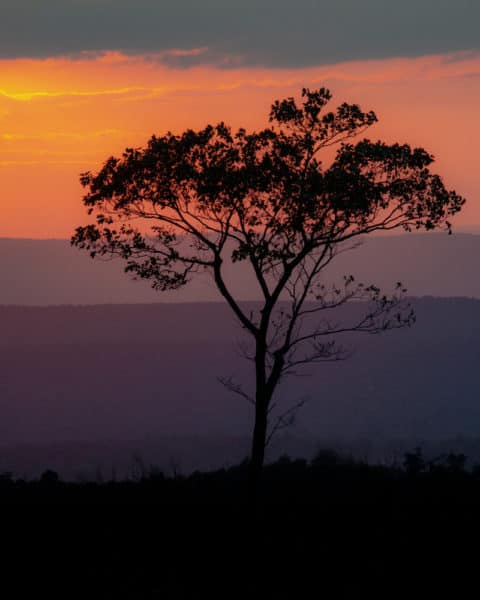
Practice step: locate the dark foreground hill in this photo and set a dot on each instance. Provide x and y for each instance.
(333, 528)
(46, 272)
(89, 389)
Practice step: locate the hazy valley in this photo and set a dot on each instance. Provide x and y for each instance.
(96, 386)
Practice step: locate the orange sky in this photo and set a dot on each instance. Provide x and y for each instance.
(60, 117)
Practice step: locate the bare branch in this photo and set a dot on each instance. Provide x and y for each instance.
(235, 388)
(285, 420)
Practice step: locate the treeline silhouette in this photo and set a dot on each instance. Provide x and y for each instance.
(301, 479)
(332, 527)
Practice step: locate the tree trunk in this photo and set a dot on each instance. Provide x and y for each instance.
(257, 456)
(258, 446)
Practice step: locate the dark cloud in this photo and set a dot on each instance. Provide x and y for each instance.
(276, 33)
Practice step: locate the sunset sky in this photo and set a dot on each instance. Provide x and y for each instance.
(82, 79)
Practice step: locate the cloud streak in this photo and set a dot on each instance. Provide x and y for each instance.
(149, 78)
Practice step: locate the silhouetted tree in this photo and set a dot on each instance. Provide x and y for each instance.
(190, 202)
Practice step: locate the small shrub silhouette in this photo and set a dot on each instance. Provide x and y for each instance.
(414, 463)
(49, 477)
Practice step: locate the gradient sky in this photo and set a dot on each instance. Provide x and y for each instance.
(82, 79)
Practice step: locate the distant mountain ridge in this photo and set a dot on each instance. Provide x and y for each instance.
(51, 272)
